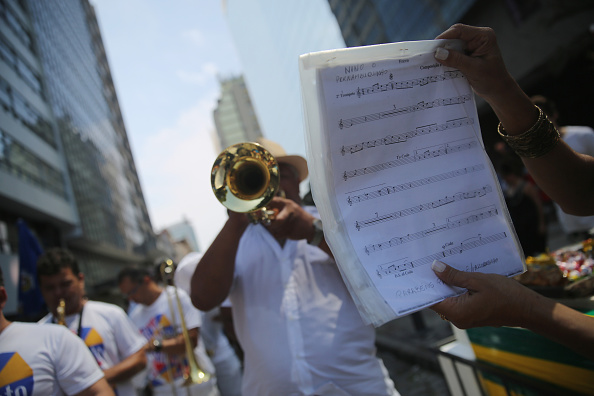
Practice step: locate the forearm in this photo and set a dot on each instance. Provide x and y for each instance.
(213, 276)
(561, 324)
(99, 388)
(127, 368)
(177, 344)
(567, 177)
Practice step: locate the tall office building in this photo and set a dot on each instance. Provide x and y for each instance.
(234, 116)
(368, 22)
(270, 35)
(65, 161)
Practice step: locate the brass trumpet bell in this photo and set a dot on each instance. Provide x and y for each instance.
(245, 177)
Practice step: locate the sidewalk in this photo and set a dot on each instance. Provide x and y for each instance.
(406, 347)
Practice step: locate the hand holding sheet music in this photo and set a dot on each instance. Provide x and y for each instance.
(401, 176)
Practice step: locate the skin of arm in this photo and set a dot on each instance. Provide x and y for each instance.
(495, 300)
(99, 388)
(213, 276)
(566, 176)
(127, 368)
(177, 344)
(293, 222)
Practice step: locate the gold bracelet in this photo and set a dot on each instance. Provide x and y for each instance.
(537, 141)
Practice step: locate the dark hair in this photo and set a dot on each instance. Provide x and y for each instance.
(136, 275)
(54, 260)
(1, 278)
(511, 165)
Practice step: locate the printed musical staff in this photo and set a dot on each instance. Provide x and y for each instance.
(419, 155)
(391, 268)
(407, 84)
(450, 224)
(420, 106)
(404, 137)
(480, 192)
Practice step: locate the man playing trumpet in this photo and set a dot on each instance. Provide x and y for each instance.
(298, 326)
(158, 319)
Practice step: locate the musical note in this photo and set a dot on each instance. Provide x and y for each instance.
(405, 136)
(460, 196)
(387, 269)
(399, 240)
(352, 199)
(407, 84)
(404, 159)
(420, 106)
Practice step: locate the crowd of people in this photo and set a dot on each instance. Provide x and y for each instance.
(299, 330)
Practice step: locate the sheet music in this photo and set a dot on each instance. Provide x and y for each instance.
(411, 180)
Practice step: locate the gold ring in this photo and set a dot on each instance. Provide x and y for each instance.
(442, 316)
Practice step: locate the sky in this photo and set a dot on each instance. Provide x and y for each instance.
(166, 59)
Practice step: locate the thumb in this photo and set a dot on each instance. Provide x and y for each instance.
(455, 59)
(449, 275)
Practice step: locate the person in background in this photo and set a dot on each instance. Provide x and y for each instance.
(226, 362)
(563, 174)
(45, 360)
(105, 328)
(524, 205)
(581, 140)
(159, 321)
(295, 320)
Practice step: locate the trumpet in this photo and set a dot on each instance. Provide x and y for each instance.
(195, 374)
(244, 178)
(61, 312)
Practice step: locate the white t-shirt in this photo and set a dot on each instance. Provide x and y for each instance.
(581, 140)
(156, 320)
(211, 330)
(110, 335)
(297, 324)
(44, 360)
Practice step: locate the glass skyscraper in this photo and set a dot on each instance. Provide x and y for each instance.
(368, 22)
(65, 155)
(234, 116)
(270, 35)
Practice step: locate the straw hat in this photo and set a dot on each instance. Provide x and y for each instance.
(298, 162)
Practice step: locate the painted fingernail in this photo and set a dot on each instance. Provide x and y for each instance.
(442, 53)
(438, 266)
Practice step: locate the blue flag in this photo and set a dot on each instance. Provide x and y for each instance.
(30, 299)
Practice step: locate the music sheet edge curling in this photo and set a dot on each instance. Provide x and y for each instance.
(400, 175)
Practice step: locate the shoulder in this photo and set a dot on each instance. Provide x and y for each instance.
(46, 319)
(108, 311)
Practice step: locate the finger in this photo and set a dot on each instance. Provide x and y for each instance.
(452, 33)
(455, 59)
(449, 275)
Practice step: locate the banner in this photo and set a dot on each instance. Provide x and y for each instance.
(30, 299)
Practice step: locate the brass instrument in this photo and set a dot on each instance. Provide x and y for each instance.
(61, 312)
(244, 178)
(195, 375)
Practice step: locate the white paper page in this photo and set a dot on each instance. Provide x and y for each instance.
(411, 179)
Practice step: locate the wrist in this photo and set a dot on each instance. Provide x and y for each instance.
(317, 233)
(156, 345)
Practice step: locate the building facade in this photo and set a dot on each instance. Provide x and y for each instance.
(234, 117)
(368, 22)
(270, 36)
(66, 166)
